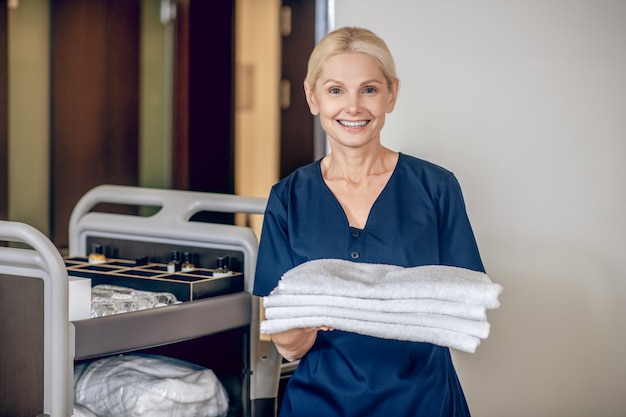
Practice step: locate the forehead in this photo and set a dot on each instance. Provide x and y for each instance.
(353, 67)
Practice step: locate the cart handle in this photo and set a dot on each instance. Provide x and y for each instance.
(45, 262)
(175, 204)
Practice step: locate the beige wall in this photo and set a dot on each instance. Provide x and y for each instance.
(525, 101)
(29, 116)
(257, 116)
(156, 98)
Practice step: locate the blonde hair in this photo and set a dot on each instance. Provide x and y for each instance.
(351, 40)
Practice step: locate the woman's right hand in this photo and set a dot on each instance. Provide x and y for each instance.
(295, 343)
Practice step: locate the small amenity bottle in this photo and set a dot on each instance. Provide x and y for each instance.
(187, 265)
(223, 268)
(97, 255)
(174, 263)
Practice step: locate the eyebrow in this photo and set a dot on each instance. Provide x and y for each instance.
(367, 82)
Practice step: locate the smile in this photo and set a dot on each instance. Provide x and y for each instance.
(353, 124)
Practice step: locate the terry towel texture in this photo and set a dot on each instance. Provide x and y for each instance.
(450, 308)
(436, 304)
(472, 327)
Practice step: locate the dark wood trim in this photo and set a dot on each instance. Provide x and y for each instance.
(211, 96)
(297, 125)
(180, 153)
(203, 144)
(4, 113)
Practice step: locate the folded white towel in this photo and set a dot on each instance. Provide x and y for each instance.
(436, 304)
(440, 337)
(421, 305)
(363, 280)
(471, 327)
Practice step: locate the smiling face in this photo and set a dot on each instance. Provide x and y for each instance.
(352, 98)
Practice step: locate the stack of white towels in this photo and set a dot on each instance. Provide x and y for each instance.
(436, 304)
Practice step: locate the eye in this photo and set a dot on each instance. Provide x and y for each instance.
(370, 90)
(335, 91)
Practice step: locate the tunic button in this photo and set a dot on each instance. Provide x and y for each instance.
(355, 234)
(355, 255)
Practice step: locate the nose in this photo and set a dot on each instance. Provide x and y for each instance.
(353, 104)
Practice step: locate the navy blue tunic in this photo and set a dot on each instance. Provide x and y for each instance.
(418, 219)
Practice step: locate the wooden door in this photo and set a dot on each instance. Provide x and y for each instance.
(95, 101)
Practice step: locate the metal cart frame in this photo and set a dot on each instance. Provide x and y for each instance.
(43, 261)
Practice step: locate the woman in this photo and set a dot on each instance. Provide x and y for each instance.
(365, 203)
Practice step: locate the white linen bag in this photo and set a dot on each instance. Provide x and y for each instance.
(148, 385)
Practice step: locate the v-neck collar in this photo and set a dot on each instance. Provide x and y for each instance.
(378, 198)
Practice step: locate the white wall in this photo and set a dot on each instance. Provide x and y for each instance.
(526, 102)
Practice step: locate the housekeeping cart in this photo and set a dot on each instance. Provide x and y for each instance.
(217, 323)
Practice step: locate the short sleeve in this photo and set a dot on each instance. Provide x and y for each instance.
(457, 243)
(274, 257)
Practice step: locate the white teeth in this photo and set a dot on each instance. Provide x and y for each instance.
(353, 124)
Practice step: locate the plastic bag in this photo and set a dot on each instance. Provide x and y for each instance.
(148, 385)
(108, 299)
(80, 411)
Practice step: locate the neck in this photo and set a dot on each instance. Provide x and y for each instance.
(357, 165)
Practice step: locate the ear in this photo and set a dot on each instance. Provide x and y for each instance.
(311, 101)
(393, 95)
